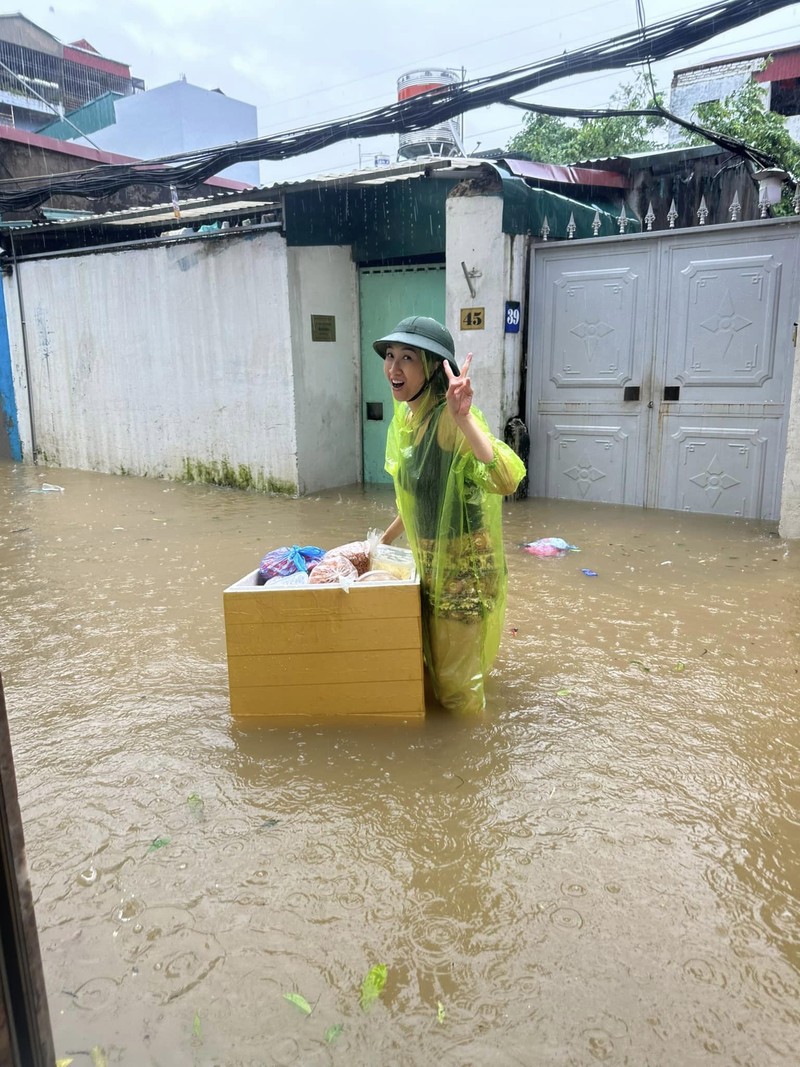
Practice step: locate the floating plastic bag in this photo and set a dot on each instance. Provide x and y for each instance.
(283, 561)
(550, 546)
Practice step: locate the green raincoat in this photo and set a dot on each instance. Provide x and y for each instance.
(451, 507)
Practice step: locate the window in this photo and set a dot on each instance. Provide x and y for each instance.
(785, 97)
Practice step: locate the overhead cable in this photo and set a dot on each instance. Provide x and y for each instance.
(422, 112)
(729, 143)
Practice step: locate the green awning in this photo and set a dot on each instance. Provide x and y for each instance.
(525, 210)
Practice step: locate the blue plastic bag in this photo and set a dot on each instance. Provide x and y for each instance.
(288, 560)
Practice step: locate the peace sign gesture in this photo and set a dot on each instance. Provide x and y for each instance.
(459, 389)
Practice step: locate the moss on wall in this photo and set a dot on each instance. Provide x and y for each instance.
(222, 472)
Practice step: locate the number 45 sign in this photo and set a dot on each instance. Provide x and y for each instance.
(473, 318)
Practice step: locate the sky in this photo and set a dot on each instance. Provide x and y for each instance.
(305, 62)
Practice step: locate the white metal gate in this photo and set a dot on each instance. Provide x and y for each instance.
(659, 367)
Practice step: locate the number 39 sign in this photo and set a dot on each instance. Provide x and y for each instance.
(512, 316)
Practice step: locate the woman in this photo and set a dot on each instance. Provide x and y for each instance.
(450, 475)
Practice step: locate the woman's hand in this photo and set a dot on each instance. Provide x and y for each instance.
(393, 530)
(459, 403)
(459, 389)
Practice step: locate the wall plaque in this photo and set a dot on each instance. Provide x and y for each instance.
(472, 318)
(323, 327)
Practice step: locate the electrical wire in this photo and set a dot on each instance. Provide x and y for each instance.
(730, 144)
(422, 112)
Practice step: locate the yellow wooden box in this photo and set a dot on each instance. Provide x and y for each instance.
(324, 651)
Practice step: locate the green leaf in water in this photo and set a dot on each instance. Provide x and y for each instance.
(197, 1029)
(333, 1032)
(196, 803)
(440, 1012)
(299, 1002)
(563, 692)
(99, 1058)
(156, 844)
(372, 986)
(65, 1062)
(267, 824)
(680, 666)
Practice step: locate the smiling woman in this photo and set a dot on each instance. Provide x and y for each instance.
(449, 474)
(405, 368)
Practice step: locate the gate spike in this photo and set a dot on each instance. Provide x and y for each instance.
(545, 230)
(702, 211)
(571, 227)
(763, 203)
(650, 217)
(672, 214)
(735, 209)
(596, 223)
(622, 220)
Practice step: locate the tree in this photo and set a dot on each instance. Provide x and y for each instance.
(549, 139)
(743, 115)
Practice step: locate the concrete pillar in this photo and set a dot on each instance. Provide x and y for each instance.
(495, 263)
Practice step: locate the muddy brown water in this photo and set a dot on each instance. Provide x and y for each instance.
(605, 869)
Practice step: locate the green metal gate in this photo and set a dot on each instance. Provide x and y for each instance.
(389, 294)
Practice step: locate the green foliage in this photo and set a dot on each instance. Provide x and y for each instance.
(372, 986)
(156, 844)
(553, 140)
(547, 139)
(299, 1002)
(743, 114)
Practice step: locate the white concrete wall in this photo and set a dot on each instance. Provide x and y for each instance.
(160, 361)
(323, 281)
(180, 117)
(790, 498)
(475, 236)
(692, 87)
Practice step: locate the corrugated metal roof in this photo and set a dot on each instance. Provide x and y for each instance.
(784, 67)
(191, 212)
(264, 198)
(566, 175)
(741, 57)
(663, 155)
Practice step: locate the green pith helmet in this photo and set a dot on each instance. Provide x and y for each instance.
(419, 331)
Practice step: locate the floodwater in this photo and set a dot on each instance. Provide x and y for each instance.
(605, 869)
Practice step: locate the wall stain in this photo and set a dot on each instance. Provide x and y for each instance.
(221, 472)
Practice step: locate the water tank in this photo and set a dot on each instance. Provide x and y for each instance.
(442, 140)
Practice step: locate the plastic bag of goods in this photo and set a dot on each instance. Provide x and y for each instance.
(289, 581)
(355, 552)
(288, 560)
(399, 562)
(333, 569)
(375, 577)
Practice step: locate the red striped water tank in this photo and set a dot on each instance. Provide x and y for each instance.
(441, 140)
